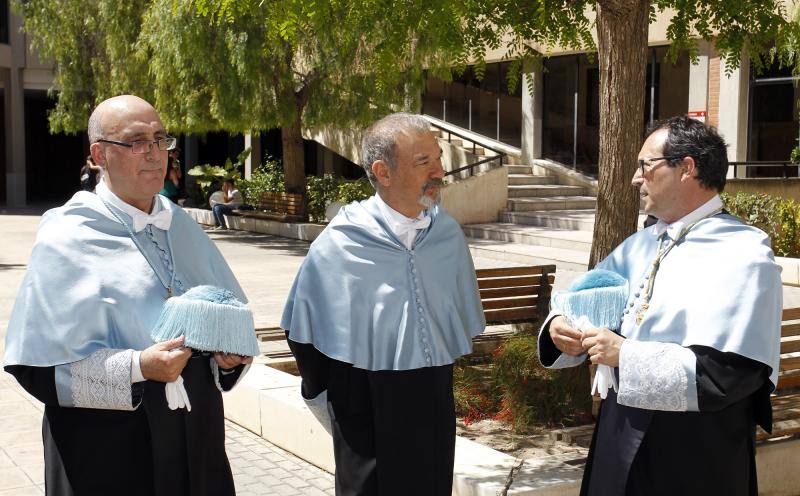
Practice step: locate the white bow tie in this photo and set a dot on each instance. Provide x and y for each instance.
(161, 220)
(405, 227)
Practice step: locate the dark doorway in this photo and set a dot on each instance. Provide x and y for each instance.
(52, 161)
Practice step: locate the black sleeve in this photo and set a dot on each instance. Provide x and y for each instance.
(313, 365)
(40, 382)
(229, 377)
(548, 353)
(727, 378)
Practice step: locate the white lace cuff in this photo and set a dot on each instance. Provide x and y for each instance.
(101, 380)
(657, 376)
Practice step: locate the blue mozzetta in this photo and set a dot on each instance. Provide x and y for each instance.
(362, 297)
(211, 319)
(599, 294)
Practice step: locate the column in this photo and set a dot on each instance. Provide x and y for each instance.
(733, 111)
(253, 161)
(532, 104)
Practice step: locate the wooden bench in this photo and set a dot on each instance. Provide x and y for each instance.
(283, 207)
(510, 295)
(513, 295)
(786, 398)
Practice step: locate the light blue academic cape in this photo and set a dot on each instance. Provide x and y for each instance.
(719, 287)
(361, 297)
(88, 287)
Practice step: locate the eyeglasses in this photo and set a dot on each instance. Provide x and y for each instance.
(649, 162)
(140, 147)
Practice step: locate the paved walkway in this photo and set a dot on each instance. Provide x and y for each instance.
(259, 467)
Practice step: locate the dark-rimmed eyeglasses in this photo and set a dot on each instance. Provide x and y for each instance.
(140, 147)
(649, 162)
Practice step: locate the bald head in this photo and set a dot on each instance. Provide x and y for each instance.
(112, 114)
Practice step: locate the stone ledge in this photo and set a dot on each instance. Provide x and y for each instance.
(790, 275)
(305, 231)
(268, 403)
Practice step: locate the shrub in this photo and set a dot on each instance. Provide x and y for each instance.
(268, 177)
(517, 390)
(779, 218)
(324, 190)
(530, 393)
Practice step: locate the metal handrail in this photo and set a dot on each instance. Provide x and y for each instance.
(475, 164)
(766, 163)
(500, 155)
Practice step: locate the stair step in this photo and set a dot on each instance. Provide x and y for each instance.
(519, 169)
(523, 179)
(551, 203)
(544, 190)
(578, 219)
(531, 235)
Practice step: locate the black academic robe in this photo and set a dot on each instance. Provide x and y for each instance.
(149, 451)
(636, 451)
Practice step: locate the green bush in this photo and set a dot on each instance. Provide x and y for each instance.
(778, 217)
(268, 177)
(329, 188)
(517, 390)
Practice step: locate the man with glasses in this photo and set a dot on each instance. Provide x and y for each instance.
(79, 335)
(698, 350)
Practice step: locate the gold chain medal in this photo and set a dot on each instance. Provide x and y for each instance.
(657, 263)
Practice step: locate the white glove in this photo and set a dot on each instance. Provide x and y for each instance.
(604, 378)
(176, 395)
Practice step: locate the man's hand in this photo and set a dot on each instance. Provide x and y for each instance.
(164, 362)
(229, 361)
(566, 339)
(603, 346)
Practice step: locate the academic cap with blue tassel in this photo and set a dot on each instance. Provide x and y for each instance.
(599, 294)
(211, 319)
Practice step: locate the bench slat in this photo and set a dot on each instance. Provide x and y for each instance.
(791, 313)
(514, 271)
(509, 303)
(511, 314)
(789, 380)
(790, 345)
(790, 330)
(790, 363)
(487, 294)
(510, 282)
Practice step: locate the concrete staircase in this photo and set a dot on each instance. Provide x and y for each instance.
(544, 222)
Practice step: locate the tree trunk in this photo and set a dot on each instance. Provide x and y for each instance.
(622, 52)
(294, 160)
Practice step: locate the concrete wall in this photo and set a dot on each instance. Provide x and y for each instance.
(477, 199)
(346, 142)
(784, 188)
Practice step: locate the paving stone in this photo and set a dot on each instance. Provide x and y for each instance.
(14, 478)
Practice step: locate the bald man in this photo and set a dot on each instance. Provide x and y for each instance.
(79, 336)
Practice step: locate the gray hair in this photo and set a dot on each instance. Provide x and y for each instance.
(380, 140)
(94, 129)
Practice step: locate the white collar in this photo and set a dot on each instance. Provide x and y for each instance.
(139, 218)
(700, 212)
(398, 222)
(109, 196)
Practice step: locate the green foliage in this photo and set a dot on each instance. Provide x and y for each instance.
(794, 157)
(778, 217)
(529, 392)
(329, 188)
(268, 177)
(516, 389)
(210, 177)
